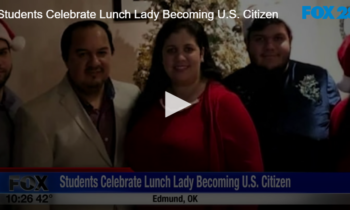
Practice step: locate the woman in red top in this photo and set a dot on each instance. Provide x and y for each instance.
(215, 133)
(340, 117)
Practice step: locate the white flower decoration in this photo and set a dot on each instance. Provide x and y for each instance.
(308, 88)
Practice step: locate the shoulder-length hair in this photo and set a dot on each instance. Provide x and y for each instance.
(158, 80)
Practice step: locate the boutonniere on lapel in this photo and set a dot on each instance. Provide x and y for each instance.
(308, 87)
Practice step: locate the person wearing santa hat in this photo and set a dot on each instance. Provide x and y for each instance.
(289, 101)
(340, 117)
(9, 102)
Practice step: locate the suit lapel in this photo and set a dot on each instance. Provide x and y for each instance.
(73, 106)
(120, 123)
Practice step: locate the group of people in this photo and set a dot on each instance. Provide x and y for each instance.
(273, 115)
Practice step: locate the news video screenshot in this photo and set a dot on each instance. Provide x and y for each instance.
(174, 104)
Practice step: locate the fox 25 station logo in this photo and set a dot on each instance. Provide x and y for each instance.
(325, 12)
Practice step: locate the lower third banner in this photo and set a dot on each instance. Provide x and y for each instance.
(129, 188)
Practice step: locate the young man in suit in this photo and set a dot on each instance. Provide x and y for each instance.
(289, 101)
(81, 121)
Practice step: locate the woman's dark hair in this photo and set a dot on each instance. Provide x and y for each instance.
(158, 81)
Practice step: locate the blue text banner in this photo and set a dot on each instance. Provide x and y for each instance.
(132, 182)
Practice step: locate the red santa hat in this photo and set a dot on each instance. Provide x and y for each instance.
(344, 60)
(16, 43)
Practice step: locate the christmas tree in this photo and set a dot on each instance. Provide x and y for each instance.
(225, 35)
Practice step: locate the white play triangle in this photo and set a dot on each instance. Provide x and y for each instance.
(174, 104)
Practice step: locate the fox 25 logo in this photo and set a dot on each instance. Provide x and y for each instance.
(325, 12)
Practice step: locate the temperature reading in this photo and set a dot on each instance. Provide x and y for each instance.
(44, 198)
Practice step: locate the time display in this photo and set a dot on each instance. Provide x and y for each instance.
(28, 198)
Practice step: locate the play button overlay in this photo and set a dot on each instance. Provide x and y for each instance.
(174, 104)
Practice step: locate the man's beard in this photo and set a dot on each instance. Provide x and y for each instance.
(6, 77)
(91, 87)
(95, 84)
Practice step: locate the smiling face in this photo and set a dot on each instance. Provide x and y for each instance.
(270, 48)
(89, 58)
(182, 58)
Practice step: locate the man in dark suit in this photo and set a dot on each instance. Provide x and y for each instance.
(289, 101)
